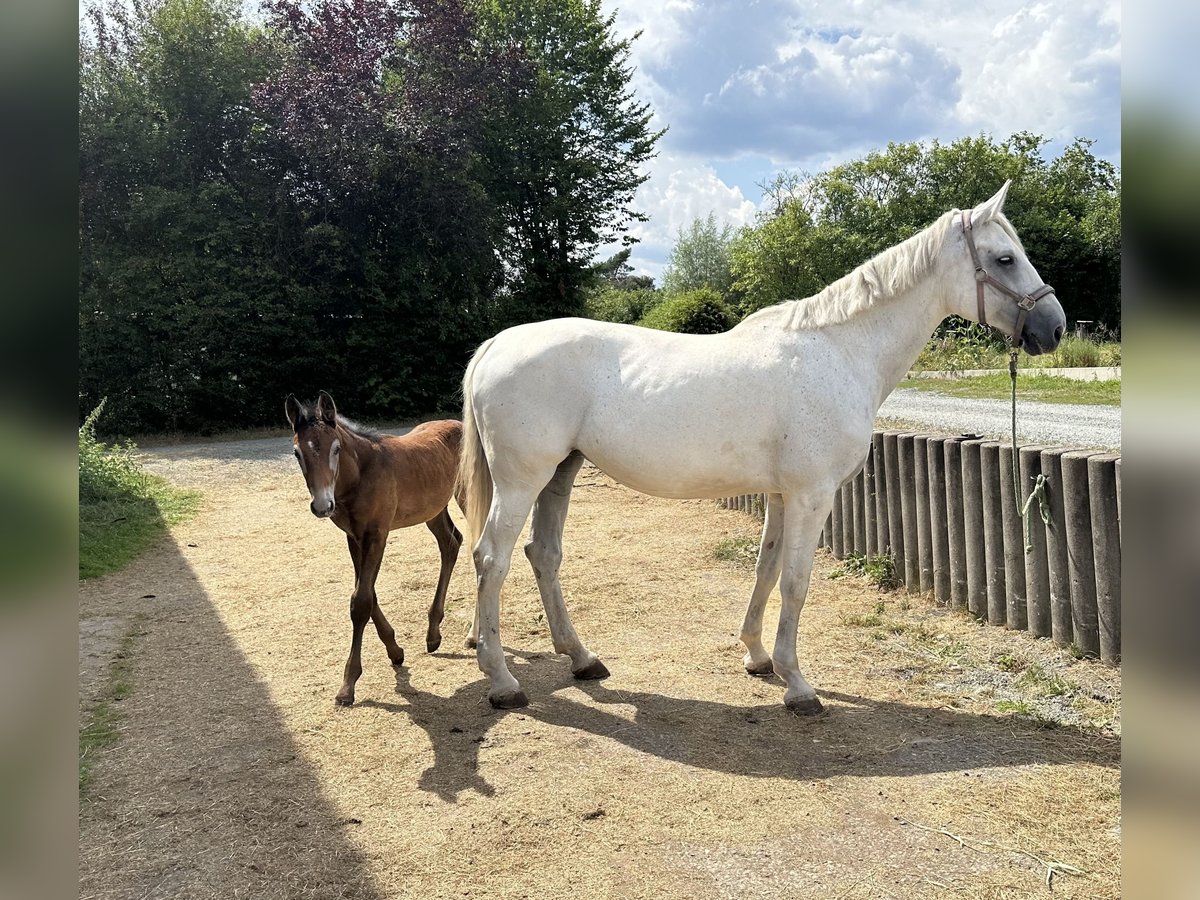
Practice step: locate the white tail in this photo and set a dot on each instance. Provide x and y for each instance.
(474, 474)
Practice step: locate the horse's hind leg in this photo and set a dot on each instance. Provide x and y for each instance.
(362, 607)
(449, 541)
(770, 559)
(544, 551)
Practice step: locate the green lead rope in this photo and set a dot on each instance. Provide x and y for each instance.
(1039, 486)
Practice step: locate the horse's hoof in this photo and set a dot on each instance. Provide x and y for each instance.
(593, 671)
(810, 706)
(515, 700)
(760, 669)
(342, 700)
(432, 644)
(470, 643)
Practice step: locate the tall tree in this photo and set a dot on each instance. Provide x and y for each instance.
(700, 258)
(565, 143)
(173, 292)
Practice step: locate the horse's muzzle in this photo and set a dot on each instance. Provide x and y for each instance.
(322, 510)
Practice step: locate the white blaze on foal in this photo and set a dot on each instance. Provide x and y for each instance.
(782, 404)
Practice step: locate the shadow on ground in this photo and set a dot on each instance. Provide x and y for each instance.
(858, 736)
(204, 793)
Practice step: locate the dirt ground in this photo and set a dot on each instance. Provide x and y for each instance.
(235, 775)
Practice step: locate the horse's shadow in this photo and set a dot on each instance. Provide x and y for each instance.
(859, 736)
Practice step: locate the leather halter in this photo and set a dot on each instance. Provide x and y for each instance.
(1025, 302)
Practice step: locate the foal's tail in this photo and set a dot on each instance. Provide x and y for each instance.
(474, 475)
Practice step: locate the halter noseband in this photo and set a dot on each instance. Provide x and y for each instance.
(1025, 302)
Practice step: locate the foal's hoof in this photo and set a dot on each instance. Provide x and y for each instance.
(344, 700)
(593, 671)
(760, 669)
(432, 644)
(515, 700)
(807, 707)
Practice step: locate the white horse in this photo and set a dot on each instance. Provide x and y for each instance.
(783, 404)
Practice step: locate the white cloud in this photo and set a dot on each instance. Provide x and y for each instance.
(805, 83)
(680, 190)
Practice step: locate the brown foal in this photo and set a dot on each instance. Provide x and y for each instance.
(370, 484)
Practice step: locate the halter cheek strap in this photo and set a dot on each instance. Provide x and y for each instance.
(1025, 302)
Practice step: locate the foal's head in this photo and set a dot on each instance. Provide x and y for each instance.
(317, 447)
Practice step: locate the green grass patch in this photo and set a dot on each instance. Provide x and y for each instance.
(975, 347)
(740, 551)
(103, 727)
(1041, 683)
(1046, 388)
(879, 570)
(122, 509)
(1019, 707)
(871, 621)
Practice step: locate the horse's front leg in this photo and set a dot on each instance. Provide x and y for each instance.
(802, 526)
(770, 558)
(362, 606)
(449, 541)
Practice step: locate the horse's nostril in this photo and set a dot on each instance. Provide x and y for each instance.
(1058, 333)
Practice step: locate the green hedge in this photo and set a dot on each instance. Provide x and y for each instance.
(695, 312)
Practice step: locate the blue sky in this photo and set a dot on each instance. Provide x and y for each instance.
(750, 87)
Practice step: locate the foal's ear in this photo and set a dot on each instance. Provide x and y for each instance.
(294, 410)
(992, 206)
(326, 411)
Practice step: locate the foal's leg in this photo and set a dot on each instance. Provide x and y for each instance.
(362, 606)
(493, 557)
(449, 540)
(770, 560)
(544, 551)
(383, 628)
(801, 528)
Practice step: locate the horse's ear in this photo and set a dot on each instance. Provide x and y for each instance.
(326, 410)
(294, 410)
(992, 206)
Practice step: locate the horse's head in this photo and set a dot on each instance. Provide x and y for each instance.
(317, 447)
(1004, 289)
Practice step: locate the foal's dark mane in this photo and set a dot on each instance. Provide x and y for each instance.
(358, 430)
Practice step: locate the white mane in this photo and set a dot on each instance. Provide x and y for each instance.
(894, 270)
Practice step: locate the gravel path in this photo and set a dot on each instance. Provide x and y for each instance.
(1050, 423)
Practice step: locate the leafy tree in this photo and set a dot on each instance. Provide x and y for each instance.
(173, 289)
(565, 145)
(700, 258)
(695, 312)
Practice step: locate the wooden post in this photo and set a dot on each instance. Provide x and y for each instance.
(1062, 627)
(895, 516)
(972, 487)
(847, 492)
(908, 513)
(1016, 613)
(935, 464)
(924, 532)
(882, 543)
(955, 523)
(1080, 556)
(993, 532)
(1106, 546)
(870, 511)
(1037, 572)
(860, 511)
(839, 533)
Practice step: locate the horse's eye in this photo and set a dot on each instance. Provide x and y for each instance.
(1005, 260)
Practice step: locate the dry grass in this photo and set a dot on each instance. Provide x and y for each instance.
(235, 775)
